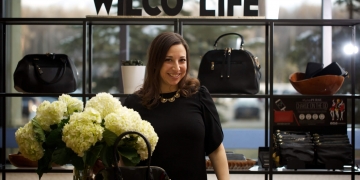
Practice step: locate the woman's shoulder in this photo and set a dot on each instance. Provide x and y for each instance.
(131, 99)
(203, 89)
(203, 93)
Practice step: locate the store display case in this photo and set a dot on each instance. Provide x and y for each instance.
(279, 117)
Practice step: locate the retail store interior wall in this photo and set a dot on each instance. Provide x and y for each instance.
(181, 25)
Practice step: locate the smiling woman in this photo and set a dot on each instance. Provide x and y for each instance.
(181, 111)
(173, 69)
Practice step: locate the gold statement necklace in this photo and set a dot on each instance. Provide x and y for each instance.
(172, 99)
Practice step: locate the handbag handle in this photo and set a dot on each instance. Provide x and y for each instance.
(39, 72)
(118, 139)
(241, 37)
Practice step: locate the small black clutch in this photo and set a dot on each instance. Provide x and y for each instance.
(332, 69)
(312, 68)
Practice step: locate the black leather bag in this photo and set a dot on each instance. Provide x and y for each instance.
(135, 172)
(45, 73)
(230, 70)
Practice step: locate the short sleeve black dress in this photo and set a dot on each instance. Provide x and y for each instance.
(188, 129)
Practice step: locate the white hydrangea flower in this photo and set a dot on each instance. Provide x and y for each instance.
(105, 103)
(146, 129)
(84, 128)
(50, 113)
(42, 107)
(129, 120)
(92, 115)
(81, 132)
(29, 147)
(122, 120)
(73, 104)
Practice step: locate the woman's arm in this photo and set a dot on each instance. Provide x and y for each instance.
(219, 162)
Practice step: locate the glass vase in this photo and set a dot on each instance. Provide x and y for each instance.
(85, 174)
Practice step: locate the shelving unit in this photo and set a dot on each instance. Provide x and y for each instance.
(178, 23)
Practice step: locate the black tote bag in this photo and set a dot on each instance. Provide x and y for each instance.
(135, 172)
(230, 70)
(45, 73)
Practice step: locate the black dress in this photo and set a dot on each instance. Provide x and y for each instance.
(188, 129)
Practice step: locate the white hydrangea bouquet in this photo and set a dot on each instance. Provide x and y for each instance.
(64, 132)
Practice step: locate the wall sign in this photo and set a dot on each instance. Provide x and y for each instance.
(125, 7)
(107, 4)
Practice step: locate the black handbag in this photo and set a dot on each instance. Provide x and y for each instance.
(45, 73)
(230, 70)
(135, 172)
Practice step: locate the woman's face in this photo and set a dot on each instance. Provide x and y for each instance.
(173, 68)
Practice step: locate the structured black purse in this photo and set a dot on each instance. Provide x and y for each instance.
(45, 73)
(135, 172)
(230, 70)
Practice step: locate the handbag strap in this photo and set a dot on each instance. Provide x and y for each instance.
(228, 61)
(56, 79)
(118, 139)
(241, 37)
(223, 63)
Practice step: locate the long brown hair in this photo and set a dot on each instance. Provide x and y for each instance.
(150, 91)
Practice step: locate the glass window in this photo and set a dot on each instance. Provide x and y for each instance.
(108, 53)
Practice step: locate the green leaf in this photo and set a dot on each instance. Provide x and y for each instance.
(54, 126)
(92, 154)
(77, 162)
(107, 156)
(132, 62)
(63, 122)
(130, 155)
(129, 141)
(109, 137)
(127, 151)
(62, 156)
(130, 162)
(54, 137)
(44, 164)
(61, 144)
(39, 132)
